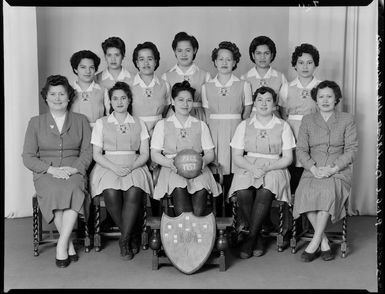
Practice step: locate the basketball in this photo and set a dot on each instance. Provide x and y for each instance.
(188, 163)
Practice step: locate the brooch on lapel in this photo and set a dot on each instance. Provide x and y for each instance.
(224, 91)
(305, 93)
(183, 133)
(85, 96)
(123, 129)
(51, 126)
(148, 92)
(262, 134)
(262, 83)
(186, 78)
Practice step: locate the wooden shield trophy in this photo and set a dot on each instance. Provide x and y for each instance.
(188, 240)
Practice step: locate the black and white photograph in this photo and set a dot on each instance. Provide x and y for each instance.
(192, 147)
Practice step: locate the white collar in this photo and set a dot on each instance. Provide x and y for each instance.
(192, 69)
(124, 73)
(257, 124)
(178, 124)
(129, 119)
(311, 85)
(254, 73)
(89, 89)
(232, 79)
(138, 80)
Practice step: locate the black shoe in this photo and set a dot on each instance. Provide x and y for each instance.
(123, 246)
(327, 255)
(246, 249)
(308, 257)
(259, 249)
(135, 245)
(74, 257)
(62, 263)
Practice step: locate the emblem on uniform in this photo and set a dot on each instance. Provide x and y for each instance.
(262, 83)
(224, 91)
(123, 129)
(188, 240)
(148, 92)
(262, 134)
(85, 96)
(305, 93)
(183, 133)
(186, 78)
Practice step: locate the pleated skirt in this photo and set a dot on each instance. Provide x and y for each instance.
(168, 180)
(327, 194)
(60, 194)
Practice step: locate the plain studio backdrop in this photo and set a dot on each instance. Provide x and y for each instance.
(39, 41)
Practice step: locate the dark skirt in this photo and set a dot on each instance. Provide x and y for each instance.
(53, 193)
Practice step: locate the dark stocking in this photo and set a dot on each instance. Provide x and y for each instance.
(199, 203)
(245, 200)
(132, 205)
(295, 176)
(260, 211)
(113, 199)
(182, 201)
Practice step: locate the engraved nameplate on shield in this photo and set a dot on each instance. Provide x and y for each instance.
(188, 240)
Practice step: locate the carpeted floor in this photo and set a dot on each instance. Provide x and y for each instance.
(274, 270)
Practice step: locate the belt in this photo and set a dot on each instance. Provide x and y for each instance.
(226, 116)
(295, 116)
(271, 156)
(150, 118)
(120, 152)
(197, 104)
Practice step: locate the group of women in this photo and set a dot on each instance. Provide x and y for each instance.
(111, 129)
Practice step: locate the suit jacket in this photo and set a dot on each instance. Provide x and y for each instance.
(44, 146)
(323, 143)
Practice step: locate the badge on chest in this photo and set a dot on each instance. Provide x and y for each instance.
(305, 93)
(122, 129)
(224, 91)
(148, 92)
(262, 83)
(85, 96)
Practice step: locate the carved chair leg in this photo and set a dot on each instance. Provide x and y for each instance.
(35, 228)
(97, 240)
(344, 235)
(280, 233)
(155, 245)
(293, 240)
(222, 246)
(87, 240)
(144, 226)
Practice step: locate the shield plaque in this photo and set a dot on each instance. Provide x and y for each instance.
(188, 240)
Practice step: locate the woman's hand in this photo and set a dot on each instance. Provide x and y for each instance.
(328, 171)
(317, 173)
(171, 165)
(70, 170)
(58, 172)
(121, 171)
(258, 172)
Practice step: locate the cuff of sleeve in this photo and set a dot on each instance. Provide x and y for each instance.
(308, 164)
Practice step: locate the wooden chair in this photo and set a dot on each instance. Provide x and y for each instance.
(284, 218)
(112, 232)
(41, 236)
(306, 233)
(225, 230)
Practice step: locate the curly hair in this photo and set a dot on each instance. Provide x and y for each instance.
(327, 84)
(58, 80)
(262, 40)
(183, 36)
(114, 42)
(77, 57)
(146, 45)
(262, 90)
(183, 86)
(126, 89)
(228, 46)
(305, 48)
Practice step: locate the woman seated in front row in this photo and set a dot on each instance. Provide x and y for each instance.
(178, 132)
(57, 149)
(327, 145)
(262, 150)
(121, 150)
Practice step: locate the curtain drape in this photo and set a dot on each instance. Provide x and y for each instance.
(21, 90)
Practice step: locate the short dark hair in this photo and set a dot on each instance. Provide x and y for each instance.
(262, 90)
(262, 40)
(183, 36)
(183, 86)
(146, 45)
(126, 89)
(305, 48)
(114, 42)
(58, 80)
(327, 84)
(228, 46)
(77, 57)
